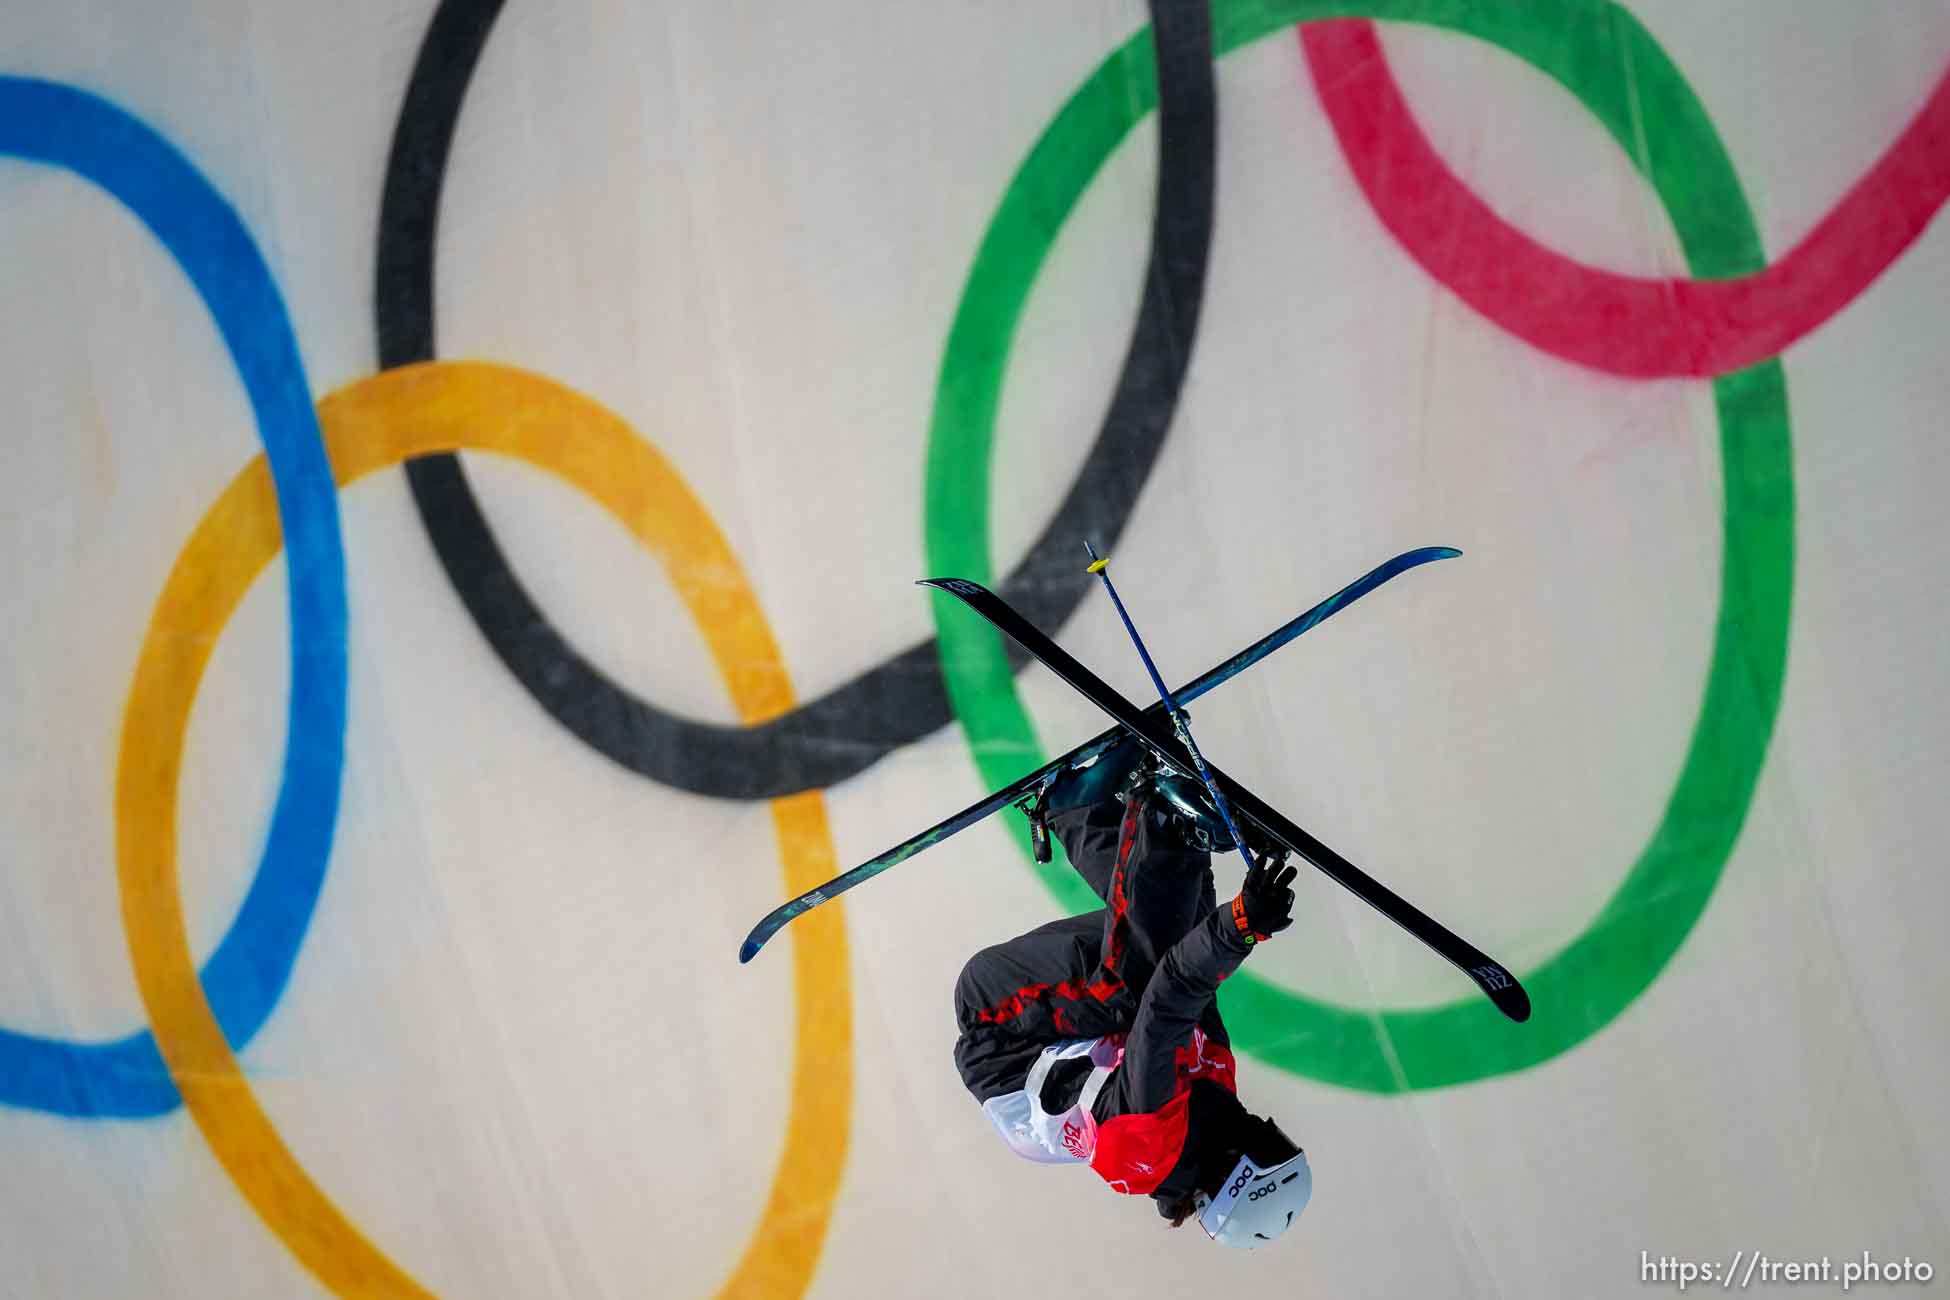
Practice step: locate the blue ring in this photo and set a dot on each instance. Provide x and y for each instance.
(45, 122)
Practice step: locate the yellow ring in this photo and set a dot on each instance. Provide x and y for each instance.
(373, 424)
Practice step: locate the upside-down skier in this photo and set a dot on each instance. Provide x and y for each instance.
(1097, 1040)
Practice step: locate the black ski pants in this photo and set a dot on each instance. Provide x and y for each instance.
(1083, 976)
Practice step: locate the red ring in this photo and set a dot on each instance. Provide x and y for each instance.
(1625, 325)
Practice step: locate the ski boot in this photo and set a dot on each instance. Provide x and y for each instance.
(1075, 787)
(1185, 809)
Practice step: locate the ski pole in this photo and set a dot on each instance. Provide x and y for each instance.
(1101, 567)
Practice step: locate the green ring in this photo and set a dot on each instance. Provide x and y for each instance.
(1603, 56)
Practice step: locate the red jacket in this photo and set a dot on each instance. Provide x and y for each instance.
(1135, 1152)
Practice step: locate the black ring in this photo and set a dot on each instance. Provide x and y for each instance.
(852, 726)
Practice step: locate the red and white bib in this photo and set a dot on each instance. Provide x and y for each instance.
(1071, 1137)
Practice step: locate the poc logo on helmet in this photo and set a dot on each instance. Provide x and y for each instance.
(1274, 1196)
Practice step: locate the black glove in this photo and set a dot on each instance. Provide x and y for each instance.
(1265, 903)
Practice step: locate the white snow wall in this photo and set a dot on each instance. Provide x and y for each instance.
(369, 907)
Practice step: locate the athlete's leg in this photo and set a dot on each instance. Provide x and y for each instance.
(1129, 845)
(1085, 812)
(1013, 999)
(1167, 889)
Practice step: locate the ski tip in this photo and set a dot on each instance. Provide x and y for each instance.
(1502, 988)
(748, 950)
(953, 586)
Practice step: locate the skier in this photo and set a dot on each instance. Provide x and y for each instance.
(1097, 1039)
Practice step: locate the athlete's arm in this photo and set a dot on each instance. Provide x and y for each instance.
(1186, 981)
(1181, 988)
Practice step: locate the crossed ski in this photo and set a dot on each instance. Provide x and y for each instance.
(1497, 983)
(1153, 727)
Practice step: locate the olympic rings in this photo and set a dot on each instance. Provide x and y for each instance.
(373, 424)
(852, 726)
(45, 122)
(1603, 970)
(438, 408)
(1626, 325)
